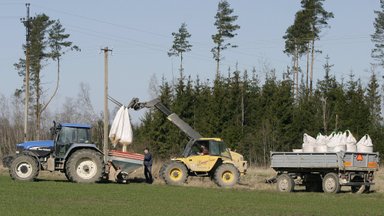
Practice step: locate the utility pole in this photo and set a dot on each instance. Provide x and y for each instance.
(27, 23)
(106, 112)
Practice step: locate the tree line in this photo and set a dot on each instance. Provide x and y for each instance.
(256, 116)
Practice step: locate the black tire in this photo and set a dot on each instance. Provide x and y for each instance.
(66, 175)
(313, 183)
(367, 189)
(331, 183)
(175, 173)
(226, 175)
(85, 166)
(24, 168)
(360, 188)
(285, 183)
(161, 171)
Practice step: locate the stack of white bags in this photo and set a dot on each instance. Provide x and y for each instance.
(336, 142)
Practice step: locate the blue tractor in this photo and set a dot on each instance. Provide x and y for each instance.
(70, 151)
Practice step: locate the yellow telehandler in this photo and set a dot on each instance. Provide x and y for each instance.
(206, 157)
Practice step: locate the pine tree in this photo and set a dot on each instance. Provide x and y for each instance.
(180, 44)
(224, 23)
(318, 19)
(296, 40)
(57, 42)
(38, 55)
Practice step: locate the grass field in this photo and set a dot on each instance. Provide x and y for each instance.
(52, 195)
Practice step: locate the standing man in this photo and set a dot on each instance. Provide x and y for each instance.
(148, 166)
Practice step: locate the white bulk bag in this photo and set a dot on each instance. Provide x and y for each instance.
(334, 140)
(351, 148)
(308, 140)
(321, 148)
(127, 134)
(365, 144)
(308, 143)
(321, 139)
(114, 135)
(351, 140)
(339, 148)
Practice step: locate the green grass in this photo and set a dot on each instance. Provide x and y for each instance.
(63, 198)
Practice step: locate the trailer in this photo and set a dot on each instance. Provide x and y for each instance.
(121, 164)
(326, 172)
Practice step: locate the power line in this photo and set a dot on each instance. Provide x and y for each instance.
(105, 22)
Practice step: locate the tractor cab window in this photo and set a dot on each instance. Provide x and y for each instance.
(69, 135)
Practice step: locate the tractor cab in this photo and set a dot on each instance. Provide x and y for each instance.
(65, 135)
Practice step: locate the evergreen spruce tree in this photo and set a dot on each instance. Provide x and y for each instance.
(373, 99)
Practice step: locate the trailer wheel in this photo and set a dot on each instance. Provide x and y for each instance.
(331, 183)
(285, 183)
(85, 166)
(226, 175)
(175, 173)
(24, 168)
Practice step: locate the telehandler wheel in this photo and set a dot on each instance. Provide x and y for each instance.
(285, 183)
(84, 166)
(175, 173)
(161, 171)
(331, 183)
(226, 175)
(24, 168)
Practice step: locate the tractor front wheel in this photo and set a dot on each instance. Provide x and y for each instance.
(175, 173)
(226, 175)
(24, 168)
(84, 166)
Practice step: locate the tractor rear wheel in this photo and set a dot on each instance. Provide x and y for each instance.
(24, 168)
(84, 166)
(226, 175)
(175, 173)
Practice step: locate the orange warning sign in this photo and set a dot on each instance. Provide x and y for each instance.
(359, 157)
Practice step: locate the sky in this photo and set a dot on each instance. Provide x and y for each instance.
(139, 34)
